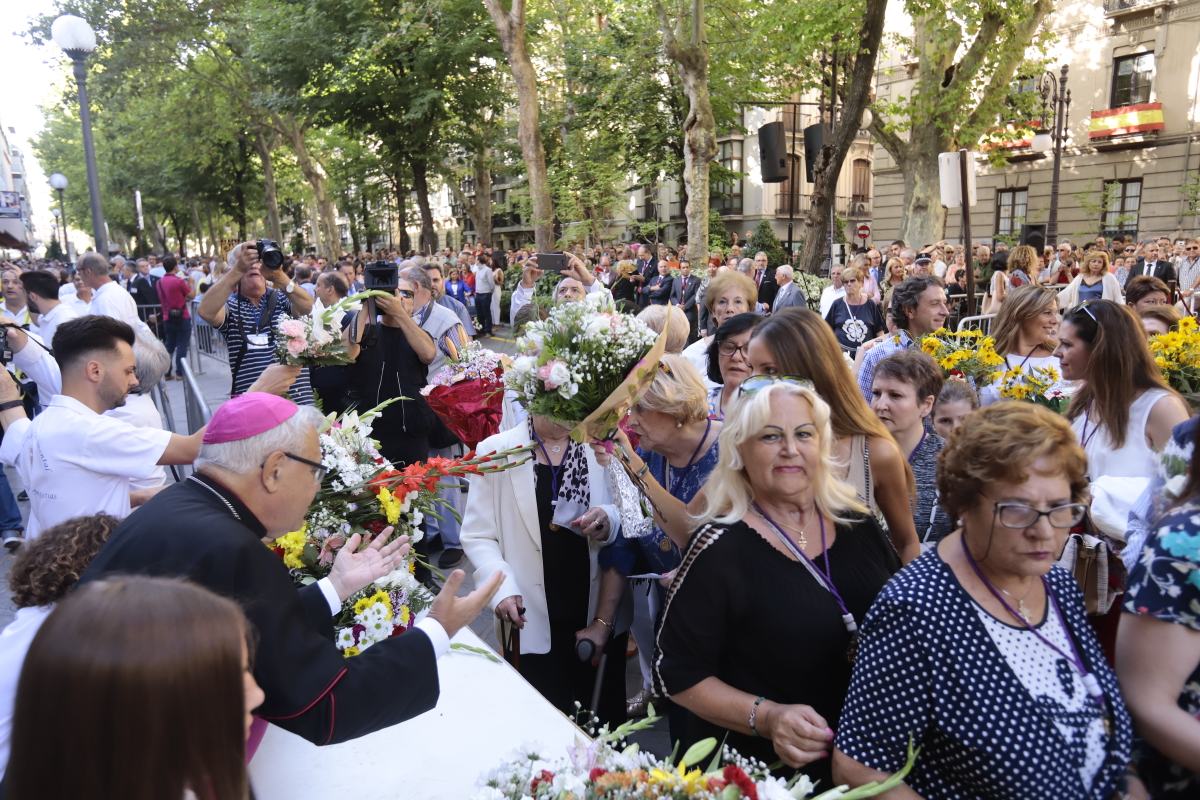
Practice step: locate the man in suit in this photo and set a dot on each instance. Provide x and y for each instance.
(647, 269)
(660, 288)
(1151, 265)
(144, 290)
(684, 294)
(764, 279)
(790, 295)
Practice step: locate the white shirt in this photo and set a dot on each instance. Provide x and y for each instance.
(76, 462)
(20, 316)
(139, 410)
(111, 300)
(48, 323)
(830, 295)
(14, 644)
(485, 279)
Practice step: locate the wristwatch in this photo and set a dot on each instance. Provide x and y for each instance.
(291, 287)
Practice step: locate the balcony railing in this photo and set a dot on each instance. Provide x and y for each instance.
(850, 207)
(1117, 8)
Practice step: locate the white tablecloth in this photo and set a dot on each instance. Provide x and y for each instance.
(485, 711)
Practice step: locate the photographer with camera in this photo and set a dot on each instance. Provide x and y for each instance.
(392, 354)
(246, 304)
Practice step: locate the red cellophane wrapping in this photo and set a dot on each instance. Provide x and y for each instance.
(471, 409)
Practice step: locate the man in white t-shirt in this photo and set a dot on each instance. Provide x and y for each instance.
(72, 458)
(835, 290)
(108, 297)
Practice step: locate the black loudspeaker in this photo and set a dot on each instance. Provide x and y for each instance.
(814, 139)
(1034, 236)
(772, 154)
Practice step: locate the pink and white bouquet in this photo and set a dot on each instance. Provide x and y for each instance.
(315, 340)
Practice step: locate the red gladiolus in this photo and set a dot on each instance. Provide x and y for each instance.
(734, 774)
(596, 773)
(545, 777)
(375, 525)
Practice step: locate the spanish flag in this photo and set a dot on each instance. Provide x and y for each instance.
(1121, 121)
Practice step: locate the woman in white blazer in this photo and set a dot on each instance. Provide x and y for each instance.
(543, 524)
(1095, 266)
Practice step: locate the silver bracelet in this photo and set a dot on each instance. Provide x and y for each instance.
(754, 714)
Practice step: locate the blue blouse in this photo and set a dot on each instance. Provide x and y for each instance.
(928, 670)
(1165, 585)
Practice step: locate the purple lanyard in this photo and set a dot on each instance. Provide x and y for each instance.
(825, 578)
(1095, 692)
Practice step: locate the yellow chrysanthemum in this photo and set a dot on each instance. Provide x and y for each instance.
(350, 652)
(390, 506)
(292, 545)
(405, 616)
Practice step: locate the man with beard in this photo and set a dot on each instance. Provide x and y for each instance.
(72, 458)
(42, 290)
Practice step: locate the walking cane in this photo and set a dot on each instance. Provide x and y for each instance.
(511, 644)
(584, 650)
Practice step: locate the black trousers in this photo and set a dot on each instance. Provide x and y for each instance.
(483, 310)
(563, 679)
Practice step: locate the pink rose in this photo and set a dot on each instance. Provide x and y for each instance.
(544, 373)
(292, 328)
(296, 346)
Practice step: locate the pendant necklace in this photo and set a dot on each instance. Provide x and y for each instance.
(1022, 609)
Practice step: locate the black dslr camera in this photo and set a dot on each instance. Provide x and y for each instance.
(269, 253)
(381, 275)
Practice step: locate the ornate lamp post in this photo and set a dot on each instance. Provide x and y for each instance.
(77, 39)
(1056, 101)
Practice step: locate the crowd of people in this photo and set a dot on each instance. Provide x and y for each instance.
(823, 549)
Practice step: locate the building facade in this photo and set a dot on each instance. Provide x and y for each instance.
(1131, 160)
(653, 211)
(16, 215)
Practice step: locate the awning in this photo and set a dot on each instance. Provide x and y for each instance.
(13, 233)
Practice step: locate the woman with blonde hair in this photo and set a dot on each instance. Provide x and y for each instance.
(1026, 333)
(729, 292)
(798, 342)
(1094, 282)
(893, 275)
(1023, 264)
(656, 318)
(623, 288)
(787, 555)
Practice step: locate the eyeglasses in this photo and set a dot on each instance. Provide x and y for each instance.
(758, 382)
(730, 349)
(318, 469)
(407, 294)
(1019, 516)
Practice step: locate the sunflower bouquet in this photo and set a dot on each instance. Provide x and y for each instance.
(964, 355)
(1177, 354)
(1040, 385)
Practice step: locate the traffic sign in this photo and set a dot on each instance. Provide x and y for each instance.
(863, 231)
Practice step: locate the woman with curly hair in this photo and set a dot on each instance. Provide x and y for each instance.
(45, 569)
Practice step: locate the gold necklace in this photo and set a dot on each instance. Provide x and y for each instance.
(802, 538)
(1022, 609)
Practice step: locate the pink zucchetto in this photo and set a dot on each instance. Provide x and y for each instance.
(248, 415)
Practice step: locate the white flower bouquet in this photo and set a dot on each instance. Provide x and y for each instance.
(602, 770)
(315, 340)
(585, 365)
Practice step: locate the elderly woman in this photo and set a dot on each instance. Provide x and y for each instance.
(1025, 332)
(1094, 282)
(656, 318)
(1158, 643)
(543, 524)
(798, 342)
(854, 317)
(979, 653)
(729, 361)
(760, 624)
(728, 293)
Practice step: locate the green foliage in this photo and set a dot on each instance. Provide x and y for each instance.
(54, 250)
(718, 234)
(1190, 189)
(764, 239)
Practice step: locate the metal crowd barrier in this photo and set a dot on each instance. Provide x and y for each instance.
(980, 322)
(196, 409)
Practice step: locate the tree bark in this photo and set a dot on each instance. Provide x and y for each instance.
(828, 166)
(328, 240)
(510, 26)
(481, 212)
(427, 241)
(264, 143)
(402, 215)
(699, 126)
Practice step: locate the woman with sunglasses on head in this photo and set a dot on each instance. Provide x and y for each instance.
(760, 624)
(1123, 411)
(798, 342)
(980, 653)
(1025, 332)
(854, 318)
(729, 361)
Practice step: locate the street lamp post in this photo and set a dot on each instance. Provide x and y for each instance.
(58, 182)
(1056, 100)
(77, 39)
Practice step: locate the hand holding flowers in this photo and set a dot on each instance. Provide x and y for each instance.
(315, 340)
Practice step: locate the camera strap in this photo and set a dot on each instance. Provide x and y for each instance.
(263, 324)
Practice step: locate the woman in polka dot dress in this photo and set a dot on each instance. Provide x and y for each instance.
(979, 652)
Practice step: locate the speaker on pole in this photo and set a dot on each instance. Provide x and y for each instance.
(772, 153)
(814, 139)
(1034, 236)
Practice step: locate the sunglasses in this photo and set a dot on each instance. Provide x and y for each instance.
(756, 383)
(1086, 308)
